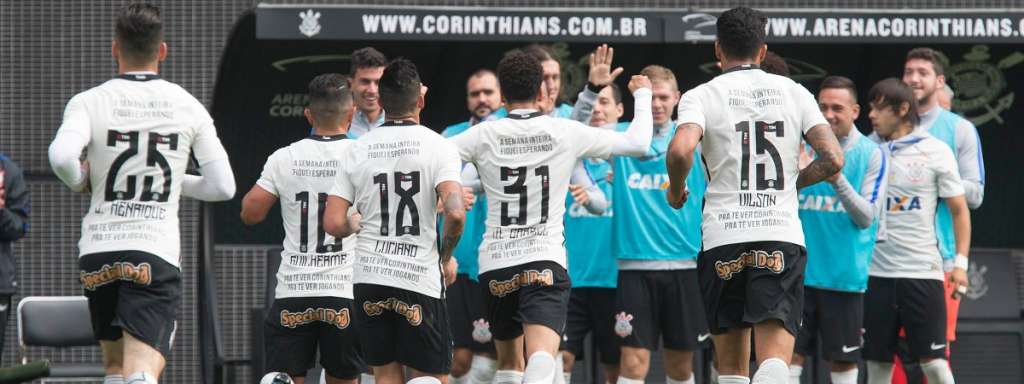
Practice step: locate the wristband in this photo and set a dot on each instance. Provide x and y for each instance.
(960, 261)
(594, 87)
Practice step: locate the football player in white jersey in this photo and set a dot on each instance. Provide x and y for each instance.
(312, 306)
(137, 131)
(905, 278)
(395, 175)
(750, 124)
(525, 161)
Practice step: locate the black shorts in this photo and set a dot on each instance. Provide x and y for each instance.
(135, 292)
(465, 302)
(747, 283)
(295, 328)
(592, 310)
(396, 325)
(837, 319)
(532, 293)
(660, 304)
(916, 305)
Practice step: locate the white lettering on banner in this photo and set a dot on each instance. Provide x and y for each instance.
(440, 24)
(910, 26)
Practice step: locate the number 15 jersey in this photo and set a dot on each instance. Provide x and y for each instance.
(752, 125)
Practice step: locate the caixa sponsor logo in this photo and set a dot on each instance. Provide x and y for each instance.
(821, 203)
(647, 182)
(902, 203)
(577, 210)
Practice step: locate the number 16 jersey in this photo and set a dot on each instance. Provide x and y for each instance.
(752, 125)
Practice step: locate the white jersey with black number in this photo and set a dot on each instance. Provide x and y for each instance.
(313, 263)
(923, 170)
(752, 125)
(525, 162)
(141, 130)
(391, 175)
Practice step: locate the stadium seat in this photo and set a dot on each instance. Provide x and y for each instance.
(58, 322)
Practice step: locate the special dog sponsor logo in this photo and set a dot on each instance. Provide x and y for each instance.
(412, 313)
(755, 259)
(528, 277)
(139, 274)
(338, 318)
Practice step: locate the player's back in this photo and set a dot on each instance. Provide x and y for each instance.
(142, 132)
(393, 171)
(753, 123)
(313, 263)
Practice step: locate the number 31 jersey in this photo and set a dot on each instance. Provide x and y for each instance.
(391, 175)
(753, 124)
(525, 162)
(313, 263)
(141, 130)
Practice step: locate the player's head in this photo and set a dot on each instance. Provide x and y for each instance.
(139, 35)
(520, 77)
(366, 69)
(741, 35)
(892, 107)
(837, 99)
(774, 64)
(665, 91)
(552, 74)
(330, 101)
(945, 97)
(483, 95)
(401, 92)
(608, 108)
(924, 72)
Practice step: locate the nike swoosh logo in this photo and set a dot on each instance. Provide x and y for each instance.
(850, 349)
(701, 338)
(936, 347)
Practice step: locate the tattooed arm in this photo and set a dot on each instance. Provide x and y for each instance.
(454, 209)
(829, 160)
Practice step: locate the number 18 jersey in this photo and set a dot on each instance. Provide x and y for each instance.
(752, 125)
(140, 131)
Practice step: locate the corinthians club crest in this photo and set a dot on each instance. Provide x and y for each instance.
(980, 87)
(977, 287)
(310, 25)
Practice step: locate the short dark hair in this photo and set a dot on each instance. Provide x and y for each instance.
(366, 57)
(892, 93)
(399, 87)
(616, 92)
(839, 82)
(929, 55)
(775, 64)
(741, 32)
(519, 76)
(329, 97)
(139, 31)
(541, 52)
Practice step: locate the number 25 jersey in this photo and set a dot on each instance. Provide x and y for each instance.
(752, 125)
(140, 130)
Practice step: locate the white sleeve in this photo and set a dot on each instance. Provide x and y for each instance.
(946, 174)
(584, 107)
(970, 162)
(691, 109)
(206, 146)
(72, 137)
(268, 179)
(810, 113)
(634, 141)
(466, 142)
(863, 205)
(447, 163)
(217, 183)
(597, 202)
(471, 178)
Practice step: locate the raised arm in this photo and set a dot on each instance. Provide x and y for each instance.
(829, 160)
(599, 76)
(679, 161)
(636, 140)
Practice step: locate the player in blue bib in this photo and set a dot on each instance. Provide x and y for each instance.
(658, 297)
(474, 357)
(840, 221)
